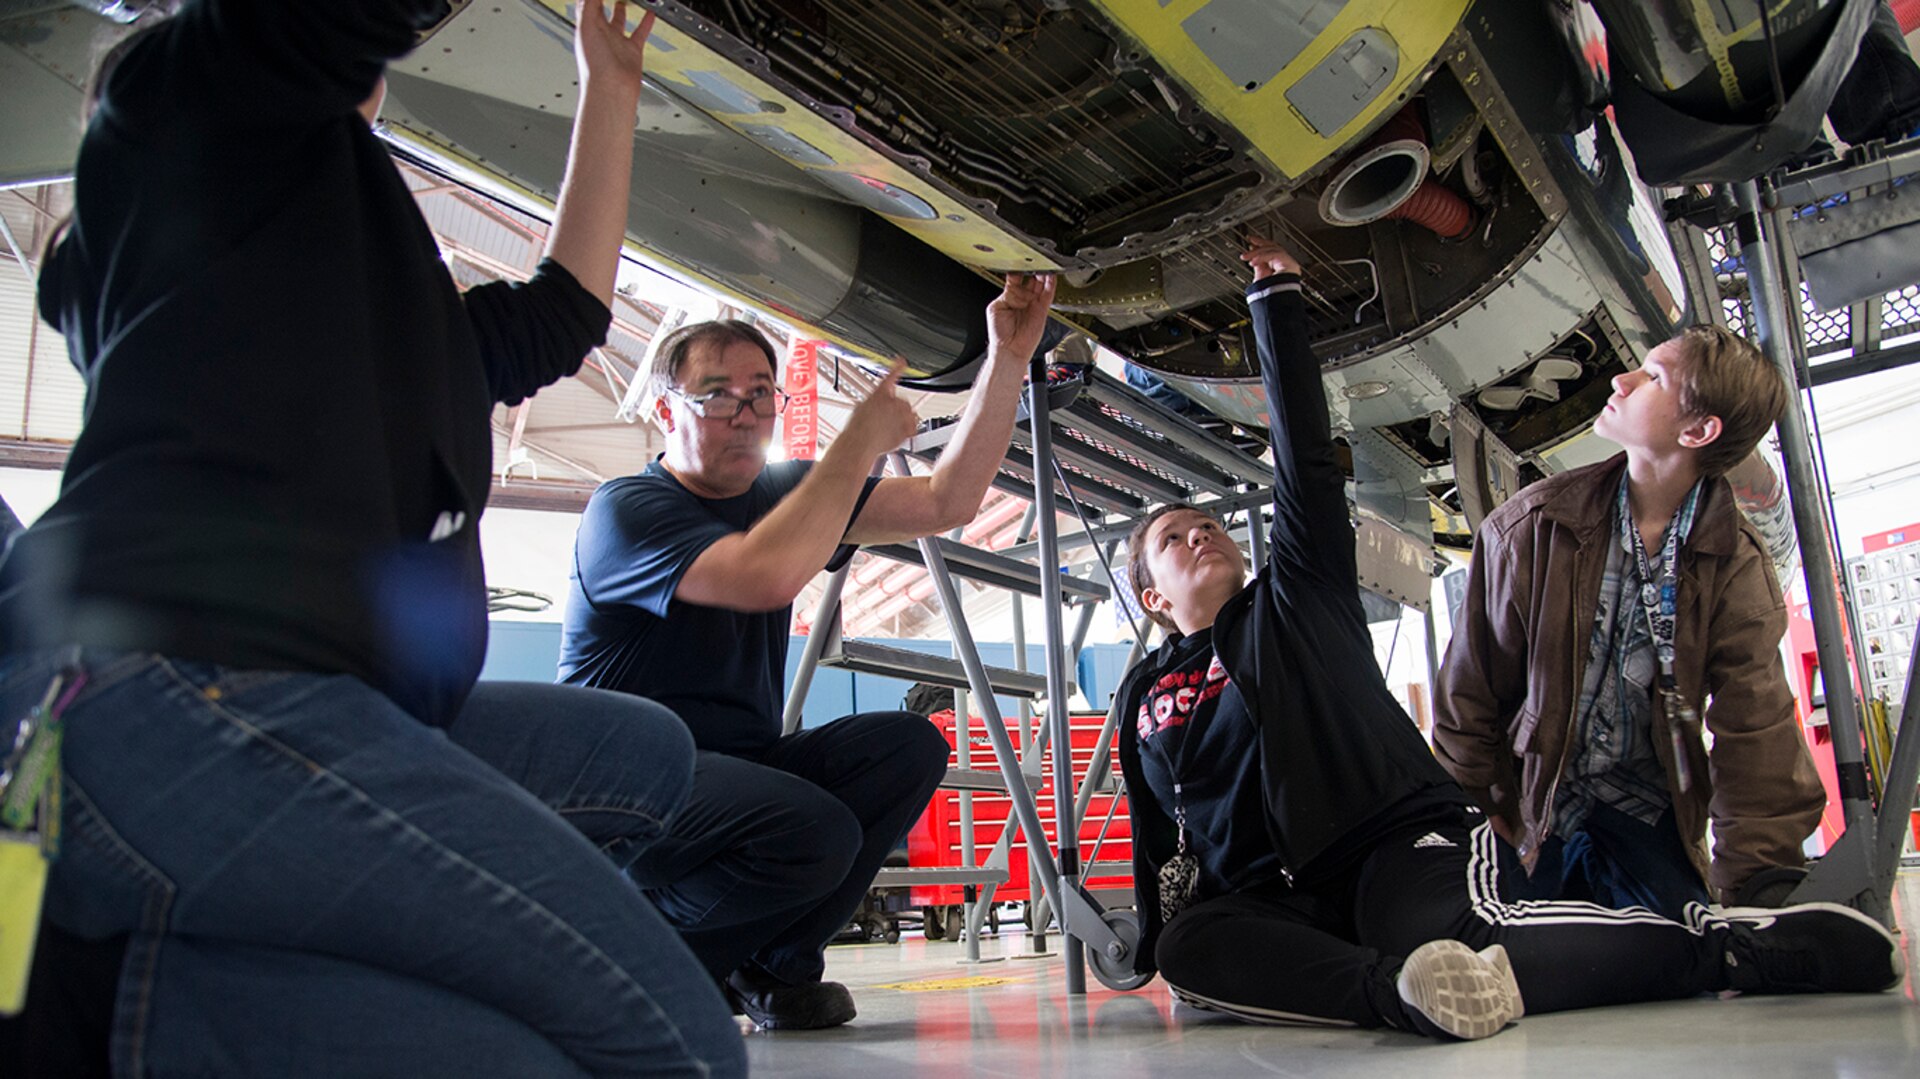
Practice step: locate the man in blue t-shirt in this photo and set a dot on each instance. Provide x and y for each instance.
(683, 583)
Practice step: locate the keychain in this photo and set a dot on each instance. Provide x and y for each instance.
(29, 832)
(1681, 718)
(1180, 877)
(32, 761)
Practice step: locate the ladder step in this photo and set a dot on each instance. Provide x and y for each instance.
(1016, 478)
(938, 433)
(915, 876)
(1107, 464)
(999, 571)
(1106, 869)
(1181, 440)
(1126, 450)
(974, 779)
(869, 658)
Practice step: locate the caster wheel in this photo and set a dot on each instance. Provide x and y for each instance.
(956, 923)
(1117, 972)
(892, 935)
(933, 923)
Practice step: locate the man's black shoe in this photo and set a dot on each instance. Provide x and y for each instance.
(1809, 948)
(775, 1005)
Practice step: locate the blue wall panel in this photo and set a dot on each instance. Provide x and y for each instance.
(522, 652)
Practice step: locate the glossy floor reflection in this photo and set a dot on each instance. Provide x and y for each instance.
(925, 1014)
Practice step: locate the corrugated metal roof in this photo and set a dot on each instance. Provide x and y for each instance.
(454, 218)
(41, 396)
(16, 337)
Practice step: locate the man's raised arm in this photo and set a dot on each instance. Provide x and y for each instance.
(903, 508)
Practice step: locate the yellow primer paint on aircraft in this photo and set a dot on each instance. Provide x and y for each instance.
(955, 230)
(1264, 115)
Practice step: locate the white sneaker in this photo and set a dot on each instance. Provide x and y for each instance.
(1496, 957)
(1450, 990)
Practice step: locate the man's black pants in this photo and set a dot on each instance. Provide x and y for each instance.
(1330, 954)
(770, 857)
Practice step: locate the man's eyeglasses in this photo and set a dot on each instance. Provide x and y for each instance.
(721, 405)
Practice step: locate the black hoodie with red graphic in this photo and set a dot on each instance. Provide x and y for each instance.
(1340, 763)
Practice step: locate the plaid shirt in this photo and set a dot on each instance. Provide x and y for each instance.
(1613, 761)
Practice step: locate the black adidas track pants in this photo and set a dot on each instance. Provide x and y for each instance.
(1330, 954)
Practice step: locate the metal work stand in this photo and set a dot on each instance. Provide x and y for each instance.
(1860, 868)
(1097, 442)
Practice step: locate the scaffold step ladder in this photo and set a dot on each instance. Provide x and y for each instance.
(994, 570)
(866, 657)
(1124, 451)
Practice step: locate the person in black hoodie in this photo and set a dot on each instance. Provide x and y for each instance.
(257, 608)
(1299, 855)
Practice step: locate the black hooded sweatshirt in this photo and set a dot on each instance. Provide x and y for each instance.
(1340, 761)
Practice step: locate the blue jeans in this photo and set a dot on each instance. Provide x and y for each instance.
(314, 883)
(1614, 860)
(1157, 390)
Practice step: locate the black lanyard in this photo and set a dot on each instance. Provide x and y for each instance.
(1177, 760)
(1179, 878)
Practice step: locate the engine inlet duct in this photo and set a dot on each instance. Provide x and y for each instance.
(1388, 178)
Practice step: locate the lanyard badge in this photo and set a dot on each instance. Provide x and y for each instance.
(1659, 601)
(29, 831)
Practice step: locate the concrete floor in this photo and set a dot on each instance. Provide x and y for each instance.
(924, 1013)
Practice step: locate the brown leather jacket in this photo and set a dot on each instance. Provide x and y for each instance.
(1503, 712)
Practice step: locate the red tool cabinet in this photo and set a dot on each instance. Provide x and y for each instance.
(935, 839)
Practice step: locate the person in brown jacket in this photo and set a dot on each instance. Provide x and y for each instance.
(1613, 613)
